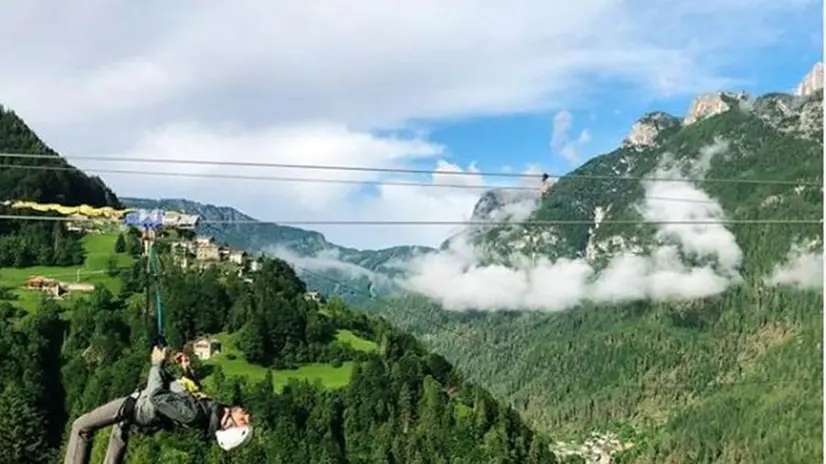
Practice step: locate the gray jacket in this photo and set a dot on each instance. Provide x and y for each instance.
(163, 399)
(145, 412)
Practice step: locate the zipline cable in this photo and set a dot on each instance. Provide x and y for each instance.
(561, 222)
(392, 170)
(312, 180)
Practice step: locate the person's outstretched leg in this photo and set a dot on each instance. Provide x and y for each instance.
(85, 426)
(117, 444)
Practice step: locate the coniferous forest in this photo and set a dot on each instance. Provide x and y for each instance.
(402, 404)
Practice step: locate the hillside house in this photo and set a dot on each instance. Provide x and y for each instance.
(255, 265)
(206, 348)
(204, 241)
(80, 223)
(180, 220)
(183, 251)
(75, 224)
(315, 296)
(40, 282)
(183, 246)
(238, 257)
(48, 286)
(209, 252)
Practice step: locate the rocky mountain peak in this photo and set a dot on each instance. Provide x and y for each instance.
(494, 201)
(645, 131)
(812, 82)
(710, 104)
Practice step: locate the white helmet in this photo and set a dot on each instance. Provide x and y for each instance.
(233, 436)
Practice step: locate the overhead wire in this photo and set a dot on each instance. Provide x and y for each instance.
(562, 222)
(374, 182)
(313, 180)
(267, 178)
(401, 170)
(310, 180)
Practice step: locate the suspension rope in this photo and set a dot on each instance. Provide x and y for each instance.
(153, 261)
(152, 286)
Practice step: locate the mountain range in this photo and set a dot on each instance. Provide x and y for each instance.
(357, 275)
(690, 344)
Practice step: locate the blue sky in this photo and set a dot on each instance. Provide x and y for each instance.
(523, 140)
(427, 84)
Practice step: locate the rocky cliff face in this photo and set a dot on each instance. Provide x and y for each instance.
(647, 130)
(497, 204)
(812, 82)
(801, 113)
(711, 104)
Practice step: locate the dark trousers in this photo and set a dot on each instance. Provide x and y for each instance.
(84, 427)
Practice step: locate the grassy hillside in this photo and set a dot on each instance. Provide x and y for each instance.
(99, 254)
(327, 375)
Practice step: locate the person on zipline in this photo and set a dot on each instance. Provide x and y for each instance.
(161, 403)
(545, 186)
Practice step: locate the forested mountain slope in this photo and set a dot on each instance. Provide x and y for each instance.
(28, 243)
(401, 405)
(727, 368)
(67, 187)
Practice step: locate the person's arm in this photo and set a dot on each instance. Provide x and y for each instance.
(178, 406)
(155, 380)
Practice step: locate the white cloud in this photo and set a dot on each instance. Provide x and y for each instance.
(803, 269)
(384, 63)
(325, 260)
(305, 143)
(561, 141)
(707, 154)
(698, 239)
(516, 211)
(161, 79)
(457, 280)
(318, 144)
